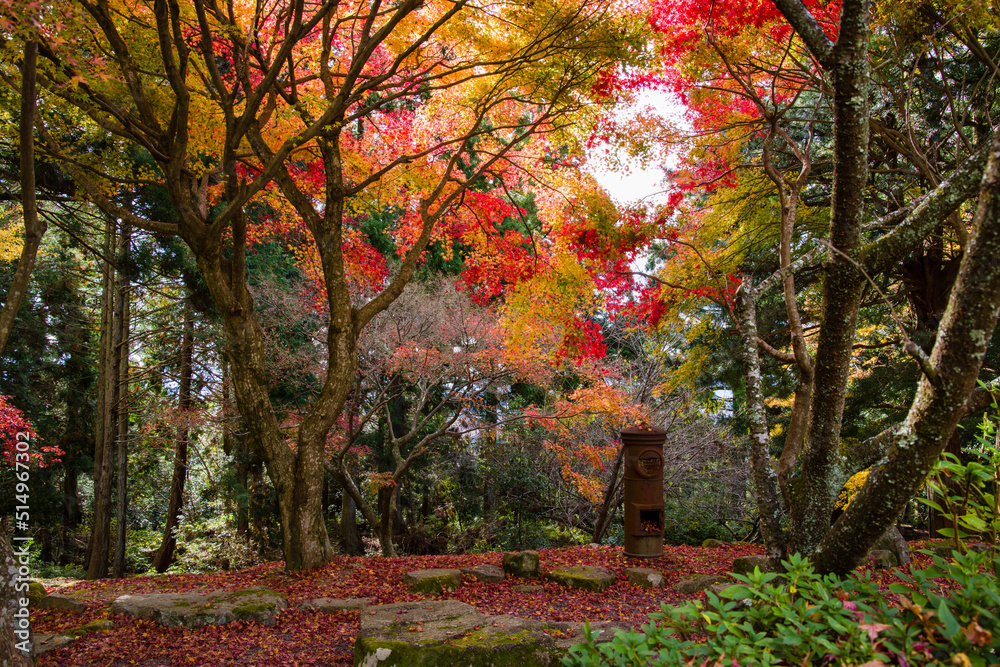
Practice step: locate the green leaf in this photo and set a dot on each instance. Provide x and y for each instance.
(950, 624)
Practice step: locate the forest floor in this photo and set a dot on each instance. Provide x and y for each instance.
(303, 637)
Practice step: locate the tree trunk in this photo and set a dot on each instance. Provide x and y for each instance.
(601, 526)
(121, 404)
(298, 475)
(164, 556)
(100, 529)
(71, 499)
(764, 477)
(388, 507)
(15, 625)
(34, 227)
(350, 538)
(821, 479)
(963, 337)
(306, 543)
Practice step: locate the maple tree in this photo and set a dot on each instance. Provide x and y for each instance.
(429, 367)
(813, 441)
(778, 189)
(329, 112)
(15, 429)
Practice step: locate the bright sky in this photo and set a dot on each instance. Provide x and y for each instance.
(640, 182)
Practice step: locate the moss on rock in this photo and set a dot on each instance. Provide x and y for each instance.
(35, 592)
(89, 628)
(521, 563)
(587, 577)
(434, 581)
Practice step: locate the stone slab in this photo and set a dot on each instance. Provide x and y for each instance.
(61, 602)
(43, 643)
(521, 563)
(485, 572)
(332, 605)
(587, 577)
(434, 581)
(646, 577)
(883, 558)
(699, 583)
(200, 608)
(440, 633)
(746, 564)
(94, 626)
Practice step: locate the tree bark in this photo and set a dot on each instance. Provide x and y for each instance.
(816, 489)
(71, 499)
(100, 529)
(164, 556)
(350, 538)
(764, 477)
(122, 403)
(601, 526)
(15, 625)
(387, 522)
(963, 338)
(34, 226)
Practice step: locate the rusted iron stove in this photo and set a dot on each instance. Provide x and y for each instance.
(643, 491)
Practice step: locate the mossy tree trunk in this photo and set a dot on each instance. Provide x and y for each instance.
(164, 556)
(907, 452)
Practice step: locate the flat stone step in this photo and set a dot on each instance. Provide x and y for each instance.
(61, 602)
(700, 583)
(43, 643)
(521, 563)
(485, 572)
(434, 580)
(449, 632)
(646, 577)
(195, 609)
(331, 605)
(587, 577)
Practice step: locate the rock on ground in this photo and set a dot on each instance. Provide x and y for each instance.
(893, 541)
(200, 608)
(587, 577)
(36, 591)
(646, 577)
(699, 583)
(330, 605)
(485, 572)
(439, 633)
(99, 625)
(746, 564)
(883, 558)
(720, 587)
(521, 563)
(43, 643)
(57, 601)
(436, 580)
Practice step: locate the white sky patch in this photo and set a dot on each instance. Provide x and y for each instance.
(636, 182)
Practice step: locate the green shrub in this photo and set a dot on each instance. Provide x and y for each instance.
(822, 620)
(965, 492)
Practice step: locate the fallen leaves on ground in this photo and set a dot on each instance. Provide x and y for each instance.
(309, 638)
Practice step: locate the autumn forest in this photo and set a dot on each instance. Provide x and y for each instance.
(313, 284)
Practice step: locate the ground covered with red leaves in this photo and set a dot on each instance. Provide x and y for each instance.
(302, 637)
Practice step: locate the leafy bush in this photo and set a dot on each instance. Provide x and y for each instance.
(210, 546)
(965, 492)
(140, 545)
(809, 619)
